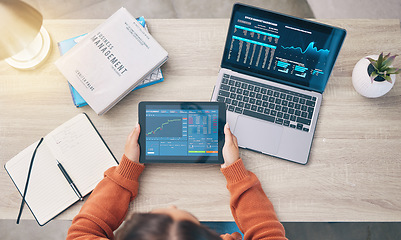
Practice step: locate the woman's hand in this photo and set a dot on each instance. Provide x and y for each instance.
(230, 148)
(132, 149)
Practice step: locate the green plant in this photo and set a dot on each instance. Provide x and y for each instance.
(381, 68)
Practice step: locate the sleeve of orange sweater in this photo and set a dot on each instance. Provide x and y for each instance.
(251, 209)
(105, 209)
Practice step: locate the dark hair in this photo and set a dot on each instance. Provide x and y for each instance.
(149, 226)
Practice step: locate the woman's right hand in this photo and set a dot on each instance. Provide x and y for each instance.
(230, 148)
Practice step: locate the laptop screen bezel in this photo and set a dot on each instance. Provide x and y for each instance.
(258, 12)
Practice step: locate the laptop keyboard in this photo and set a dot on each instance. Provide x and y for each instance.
(273, 104)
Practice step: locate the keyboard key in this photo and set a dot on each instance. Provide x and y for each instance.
(252, 100)
(270, 92)
(299, 126)
(245, 99)
(284, 102)
(258, 115)
(259, 96)
(256, 89)
(279, 114)
(240, 90)
(291, 111)
(279, 121)
(259, 102)
(250, 88)
(303, 120)
(272, 99)
(260, 109)
(252, 94)
(241, 104)
(302, 101)
(244, 85)
(263, 90)
(231, 108)
(289, 97)
(278, 101)
(225, 80)
(224, 93)
(297, 106)
(310, 103)
(276, 94)
(273, 112)
(286, 123)
(304, 108)
(247, 106)
(304, 114)
(291, 104)
(272, 106)
(282, 95)
(225, 87)
(265, 104)
(267, 111)
(297, 113)
(234, 102)
(228, 100)
(293, 118)
(231, 83)
(233, 95)
(292, 126)
(254, 107)
(286, 116)
(265, 98)
(278, 108)
(246, 92)
(284, 109)
(238, 110)
(237, 84)
(305, 129)
(295, 99)
(239, 97)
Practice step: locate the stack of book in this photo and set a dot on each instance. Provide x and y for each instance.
(117, 57)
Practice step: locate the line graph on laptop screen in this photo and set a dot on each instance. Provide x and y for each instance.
(292, 51)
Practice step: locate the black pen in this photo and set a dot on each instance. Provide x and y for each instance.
(69, 180)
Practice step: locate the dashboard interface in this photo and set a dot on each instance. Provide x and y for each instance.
(287, 49)
(175, 132)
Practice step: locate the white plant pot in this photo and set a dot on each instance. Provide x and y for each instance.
(364, 85)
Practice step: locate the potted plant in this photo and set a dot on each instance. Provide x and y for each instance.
(374, 76)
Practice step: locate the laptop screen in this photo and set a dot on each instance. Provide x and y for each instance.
(281, 48)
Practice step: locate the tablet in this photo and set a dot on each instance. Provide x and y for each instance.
(181, 132)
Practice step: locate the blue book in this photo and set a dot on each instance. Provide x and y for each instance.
(64, 46)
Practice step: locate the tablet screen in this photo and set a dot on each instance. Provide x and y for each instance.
(181, 132)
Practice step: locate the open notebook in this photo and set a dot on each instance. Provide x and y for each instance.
(78, 146)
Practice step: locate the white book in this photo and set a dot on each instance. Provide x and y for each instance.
(111, 61)
(80, 149)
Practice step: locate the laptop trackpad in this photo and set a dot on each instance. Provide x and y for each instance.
(258, 135)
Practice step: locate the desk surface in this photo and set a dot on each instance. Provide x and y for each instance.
(354, 171)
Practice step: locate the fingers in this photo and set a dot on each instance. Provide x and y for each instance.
(136, 131)
(229, 137)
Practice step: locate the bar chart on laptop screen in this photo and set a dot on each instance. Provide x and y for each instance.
(268, 46)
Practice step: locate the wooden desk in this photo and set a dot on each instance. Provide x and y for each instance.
(354, 171)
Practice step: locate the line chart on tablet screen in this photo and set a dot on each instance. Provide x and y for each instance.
(164, 127)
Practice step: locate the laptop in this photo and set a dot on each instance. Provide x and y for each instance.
(273, 73)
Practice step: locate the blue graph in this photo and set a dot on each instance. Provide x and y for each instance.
(311, 49)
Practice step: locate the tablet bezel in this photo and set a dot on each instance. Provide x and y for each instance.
(183, 159)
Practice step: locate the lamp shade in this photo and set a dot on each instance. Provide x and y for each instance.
(19, 25)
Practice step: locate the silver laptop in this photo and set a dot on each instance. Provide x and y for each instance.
(273, 73)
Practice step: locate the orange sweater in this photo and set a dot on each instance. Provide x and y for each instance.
(105, 209)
